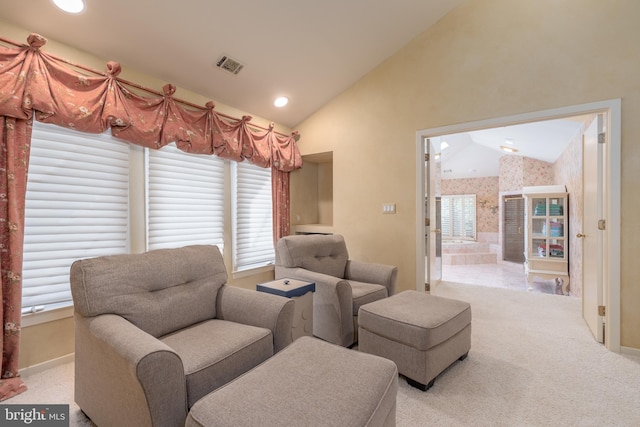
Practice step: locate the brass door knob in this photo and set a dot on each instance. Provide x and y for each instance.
(581, 236)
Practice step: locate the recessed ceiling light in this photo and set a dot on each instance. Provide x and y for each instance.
(509, 149)
(281, 101)
(444, 145)
(70, 6)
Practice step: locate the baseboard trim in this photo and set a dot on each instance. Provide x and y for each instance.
(630, 351)
(36, 369)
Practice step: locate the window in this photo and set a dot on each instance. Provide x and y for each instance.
(76, 207)
(252, 215)
(185, 203)
(459, 217)
(80, 187)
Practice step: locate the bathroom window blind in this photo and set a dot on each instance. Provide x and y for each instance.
(252, 214)
(459, 217)
(77, 205)
(185, 199)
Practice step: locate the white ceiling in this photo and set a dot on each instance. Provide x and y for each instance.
(309, 51)
(477, 153)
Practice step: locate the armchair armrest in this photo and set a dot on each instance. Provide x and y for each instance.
(369, 272)
(125, 376)
(332, 304)
(257, 309)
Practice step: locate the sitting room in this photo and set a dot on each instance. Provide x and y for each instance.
(214, 214)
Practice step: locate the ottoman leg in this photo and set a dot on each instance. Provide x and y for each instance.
(425, 387)
(420, 386)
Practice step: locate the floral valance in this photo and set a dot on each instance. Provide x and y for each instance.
(34, 82)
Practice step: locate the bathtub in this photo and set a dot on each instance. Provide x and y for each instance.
(462, 242)
(460, 251)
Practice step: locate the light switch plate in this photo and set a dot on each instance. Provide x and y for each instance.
(389, 208)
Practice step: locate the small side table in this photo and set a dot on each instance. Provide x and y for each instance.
(302, 293)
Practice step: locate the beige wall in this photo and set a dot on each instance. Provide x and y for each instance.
(304, 184)
(46, 341)
(325, 193)
(312, 187)
(43, 342)
(486, 59)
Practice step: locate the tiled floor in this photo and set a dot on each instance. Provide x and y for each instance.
(500, 275)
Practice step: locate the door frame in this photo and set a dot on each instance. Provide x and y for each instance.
(612, 181)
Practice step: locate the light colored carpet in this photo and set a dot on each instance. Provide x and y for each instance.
(533, 362)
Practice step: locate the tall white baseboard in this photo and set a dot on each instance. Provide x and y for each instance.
(36, 369)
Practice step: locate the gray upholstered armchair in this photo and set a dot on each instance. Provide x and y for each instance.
(342, 285)
(157, 331)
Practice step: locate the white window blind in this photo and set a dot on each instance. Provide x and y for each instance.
(253, 219)
(459, 217)
(77, 206)
(185, 199)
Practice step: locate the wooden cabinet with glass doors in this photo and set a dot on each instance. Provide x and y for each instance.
(546, 243)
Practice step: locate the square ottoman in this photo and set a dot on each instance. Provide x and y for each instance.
(309, 383)
(423, 334)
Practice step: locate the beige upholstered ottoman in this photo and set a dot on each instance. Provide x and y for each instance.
(424, 334)
(309, 383)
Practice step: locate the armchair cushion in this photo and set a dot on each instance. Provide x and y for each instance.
(370, 272)
(157, 300)
(210, 365)
(364, 293)
(252, 308)
(326, 254)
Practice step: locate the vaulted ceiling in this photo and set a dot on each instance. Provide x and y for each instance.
(308, 51)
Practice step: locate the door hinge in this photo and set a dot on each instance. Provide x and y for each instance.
(601, 138)
(426, 157)
(602, 224)
(601, 310)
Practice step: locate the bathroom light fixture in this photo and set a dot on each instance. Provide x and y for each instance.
(509, 149)
(281, 101)
(70, 6)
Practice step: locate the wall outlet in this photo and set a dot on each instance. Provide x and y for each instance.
(389, 208)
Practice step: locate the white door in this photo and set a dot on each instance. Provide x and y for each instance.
(591, 236)
(433, 236)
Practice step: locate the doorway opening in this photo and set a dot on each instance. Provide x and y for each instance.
(506, 205)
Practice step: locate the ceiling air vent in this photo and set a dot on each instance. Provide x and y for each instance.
(229, 64)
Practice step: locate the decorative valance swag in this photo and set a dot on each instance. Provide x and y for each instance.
(32, 81)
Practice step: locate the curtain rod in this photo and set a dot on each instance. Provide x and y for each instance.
(137, 86)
